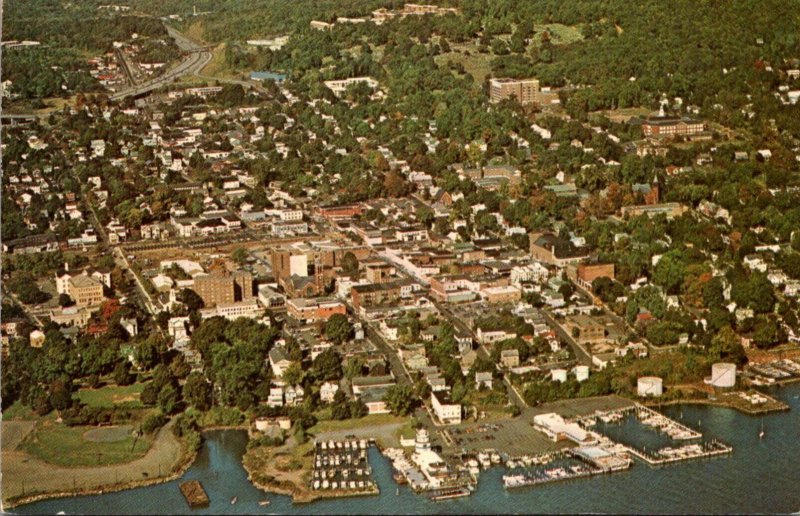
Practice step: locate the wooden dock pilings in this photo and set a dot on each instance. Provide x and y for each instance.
(195, 494)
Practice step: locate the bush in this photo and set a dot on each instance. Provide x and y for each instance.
(153, 423)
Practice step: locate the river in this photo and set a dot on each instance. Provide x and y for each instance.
(762, 476)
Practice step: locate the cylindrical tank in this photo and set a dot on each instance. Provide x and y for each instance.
(649, 386)
(723, 375)
(559, 375)
(581, 373)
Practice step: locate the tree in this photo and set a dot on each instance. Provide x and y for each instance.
(122, 373)
(350, 263)
(191, 299)
(726, 345)
(197, 391)
(294, 374)
(240, 255)
(168, 399)
(64, 300)
(327, 366)
(353, 367)
(338, 328)
(400, 399)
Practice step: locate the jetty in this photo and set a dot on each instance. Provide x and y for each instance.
(194, 493)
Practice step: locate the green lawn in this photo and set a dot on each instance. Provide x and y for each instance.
(113, 395)
(65, 446)
(18, 411)
(364, 422)
(560, 34)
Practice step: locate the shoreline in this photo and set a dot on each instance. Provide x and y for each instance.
(185, 464)
(308, 497)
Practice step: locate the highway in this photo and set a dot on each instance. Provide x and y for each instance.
(198, 57)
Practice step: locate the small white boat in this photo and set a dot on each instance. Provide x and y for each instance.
(263, 503)
(234, 500)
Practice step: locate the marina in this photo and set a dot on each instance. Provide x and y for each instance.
(344, 466)
(711, 486)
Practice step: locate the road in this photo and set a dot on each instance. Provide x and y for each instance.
(581, 354)
(198, 57)
(483, 352)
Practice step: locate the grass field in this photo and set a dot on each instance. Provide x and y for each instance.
(18, 411)
(476, 64)
(66, 446)
(560, 34)
(113, 395)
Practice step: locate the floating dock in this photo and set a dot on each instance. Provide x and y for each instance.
(194, 493)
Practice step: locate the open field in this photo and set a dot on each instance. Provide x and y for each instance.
(112, 395)
(66, 446)
(285, 469)
(559, 34)
(14, 432)
(25, 475)
(476, 64)
(18, 411)
(384, 428)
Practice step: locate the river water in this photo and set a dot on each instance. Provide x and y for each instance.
(762, 476)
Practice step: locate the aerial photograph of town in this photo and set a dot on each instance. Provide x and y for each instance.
(378, 257)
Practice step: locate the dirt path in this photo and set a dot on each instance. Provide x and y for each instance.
(25, 475)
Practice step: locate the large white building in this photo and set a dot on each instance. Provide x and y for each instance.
(340, 86)
(445, 409)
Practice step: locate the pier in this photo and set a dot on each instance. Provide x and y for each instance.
(688, 452)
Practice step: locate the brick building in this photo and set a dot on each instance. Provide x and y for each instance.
(223, 288)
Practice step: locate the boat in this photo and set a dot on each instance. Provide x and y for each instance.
(449, 494)
(234, 500)
(263, 503)
(761, 433)
(397, 493)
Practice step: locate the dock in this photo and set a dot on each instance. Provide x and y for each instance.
(687, 452)
(194, 493)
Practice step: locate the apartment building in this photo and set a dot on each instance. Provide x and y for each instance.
(526, 91)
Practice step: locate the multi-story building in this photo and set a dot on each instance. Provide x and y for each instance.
(587, 273)
(526, 91)
(446, 410)
(249, 309)
(551, 249)
(224, 289)
(375, 293)
(315, 309)
(340, 86)
(85, 290)
(665, 126)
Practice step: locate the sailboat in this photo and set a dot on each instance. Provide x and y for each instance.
(234, 500)
(761, 433)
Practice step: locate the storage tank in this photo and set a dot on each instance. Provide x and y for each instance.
(581, 373)
(559, 375)
(723, 375)
(648, 386)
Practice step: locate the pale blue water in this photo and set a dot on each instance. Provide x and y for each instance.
(762, 476)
